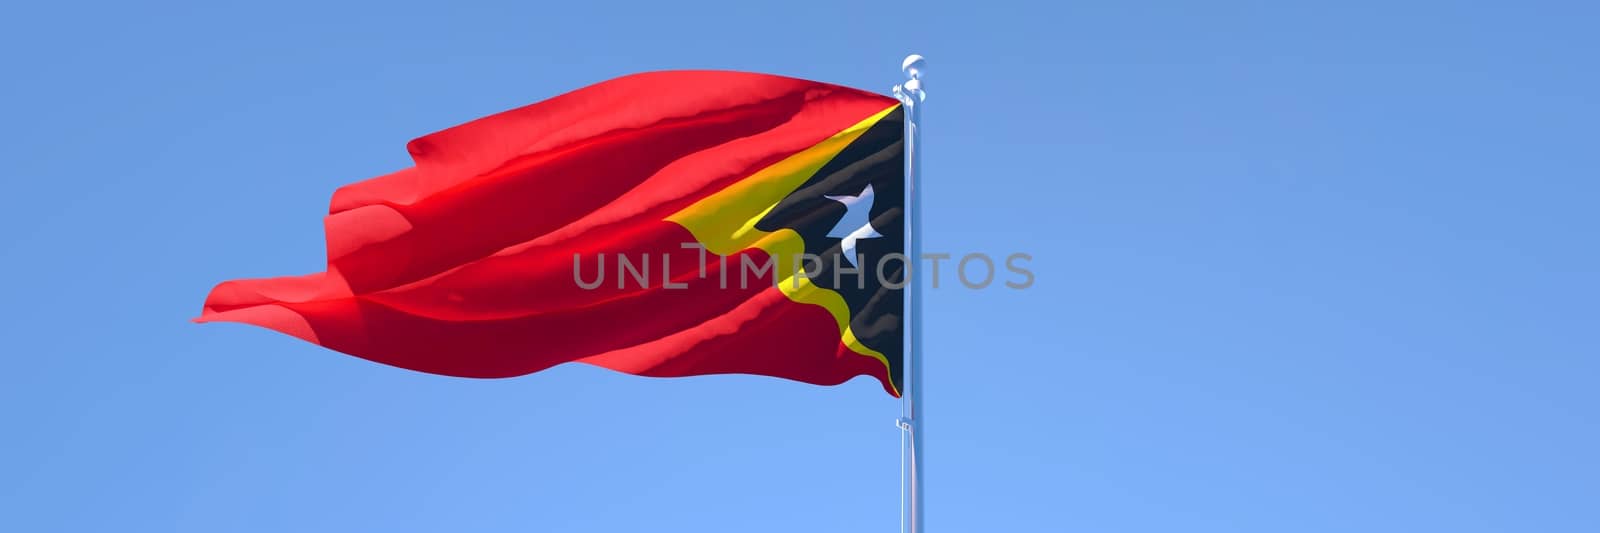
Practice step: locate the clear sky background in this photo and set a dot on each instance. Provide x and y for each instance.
(1315, 268)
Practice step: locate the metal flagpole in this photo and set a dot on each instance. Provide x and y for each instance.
(913, 420)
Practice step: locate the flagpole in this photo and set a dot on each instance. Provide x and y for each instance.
(913, 420)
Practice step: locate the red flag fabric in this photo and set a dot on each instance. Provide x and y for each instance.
(480, 260)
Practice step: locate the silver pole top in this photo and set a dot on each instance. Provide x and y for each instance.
(911, 91)
(913, 66)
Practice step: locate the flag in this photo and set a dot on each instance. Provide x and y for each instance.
(662, 224)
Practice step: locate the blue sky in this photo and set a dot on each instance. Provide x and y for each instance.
(1299, 268)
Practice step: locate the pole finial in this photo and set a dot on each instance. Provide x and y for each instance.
(914, 67)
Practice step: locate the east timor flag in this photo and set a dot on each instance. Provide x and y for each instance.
(662, 224)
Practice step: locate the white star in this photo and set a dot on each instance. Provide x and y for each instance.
(855, 224)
